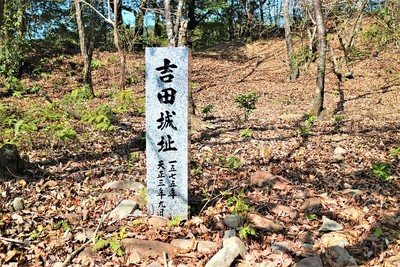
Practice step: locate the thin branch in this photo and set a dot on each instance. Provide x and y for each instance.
(75, 253)
(92, 240)
(25, 243)
(101, 15)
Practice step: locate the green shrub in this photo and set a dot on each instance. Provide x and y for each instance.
(381, 170)
(100, 117)
(247, 102)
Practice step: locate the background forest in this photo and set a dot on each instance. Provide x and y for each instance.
(295, 132)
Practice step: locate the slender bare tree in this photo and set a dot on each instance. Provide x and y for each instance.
(176, 29)
(318, 103)
(86, 41)
(114, 22)
(122, 64)
(294, 68)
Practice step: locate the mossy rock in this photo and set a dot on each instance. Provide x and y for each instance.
(11, 163)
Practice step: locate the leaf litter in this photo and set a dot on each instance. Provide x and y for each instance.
(66, 199)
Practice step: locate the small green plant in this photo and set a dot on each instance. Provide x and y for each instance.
(64, 224)
(378, 232)
(66, 134)
(22, 125)
(338, 122)
(45, 75)
(310, 216)
(246, 133)
(101, 118)
(247, 102)
(239, 205)
(309, 121)
(35, 89)
(232, 163)
(246, 231)
(175, 221)
(13, 84)
(132, 80)
(137, 222)
(17, 94)
(302, 131)
(77, 96)
(395, 152)
(36, 233)
(206, 110)
(96, 64)
(197, 170)
(133, 157)
(123, 101)
(381, 170)
(113, 244)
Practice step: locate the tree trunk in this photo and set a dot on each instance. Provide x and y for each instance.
(86, 54)
(294, 68)
(157, 26)
(21, 19)
(191, 24)
(177, 26)
(230, 12)
(121, 53)
(139, 29)
(116, 6)
(318, 103)
(168, 23)
(262, 21)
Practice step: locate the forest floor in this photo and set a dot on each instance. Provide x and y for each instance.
(345, 166)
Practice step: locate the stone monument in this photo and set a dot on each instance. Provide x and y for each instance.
(167, 82)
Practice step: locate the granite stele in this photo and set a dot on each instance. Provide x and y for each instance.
(167, 131)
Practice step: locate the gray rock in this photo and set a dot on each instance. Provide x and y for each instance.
(264, 223)
(148, 248)
(282, 210)
(311, 205)
(131, 185)
(18, 203)
(329, 225)
(339, 153)
(229, 233)
(310, 262)
(205, 247)
(158, 222)
(123, 209)
(267, 264)
(235, 242)
(155, 264)
(182, 244)
(234, 221)
(334, 239)
(338, 257)
(232, 248)
(281, 246)
(351, 192)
